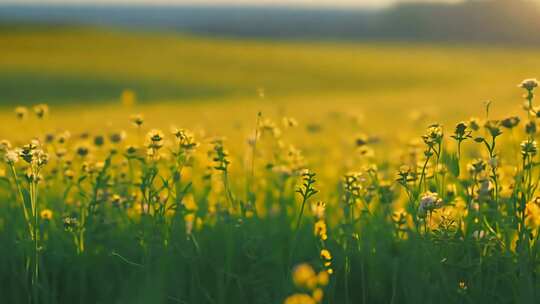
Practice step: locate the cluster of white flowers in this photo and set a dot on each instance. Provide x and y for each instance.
(11, 157)
(428, 202)
(32, 153)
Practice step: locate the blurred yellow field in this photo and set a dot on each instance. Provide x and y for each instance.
(218, 86)
(383, 79)
(153, 167)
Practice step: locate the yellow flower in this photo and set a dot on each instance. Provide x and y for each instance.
(532, 212)
(323, 278)
(41, 110)
(317, 295)
(21, 112)
(46, 214)
(154, 139)
(117, 137)
(299, 298)
(318, 209)
(82, 149)
(325, 255)
(131, 150)
(303, 275)
(320, 229)
(137, 120)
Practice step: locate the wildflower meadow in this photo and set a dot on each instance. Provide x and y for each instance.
(159, 216)
(297, 197)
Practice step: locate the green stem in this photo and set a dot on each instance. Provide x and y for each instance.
(21, 199)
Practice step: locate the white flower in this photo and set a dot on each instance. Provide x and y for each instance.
(529, 84)
(12, 156)
(429, 202)
(42, 158)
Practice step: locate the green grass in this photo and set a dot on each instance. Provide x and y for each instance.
(32, 86)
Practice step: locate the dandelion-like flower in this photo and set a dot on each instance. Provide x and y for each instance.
(21, 112)
(117, 137)
(434, 135)
(530, 128)
(528, 148)
(476, 166)
(11, 157)
(361, 140)
(428, 202)
(46, 214)
(82, 150)
(41, 110)
(462, 132)
(510, 122)
(137, 120)
(154, 139)
(185, 138)
(28, 152)
(131, 150)
(63, 137)
(474, 123)
(99, 140)
(493, 127)
(529, 84)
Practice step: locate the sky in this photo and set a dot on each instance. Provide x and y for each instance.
(309, 3)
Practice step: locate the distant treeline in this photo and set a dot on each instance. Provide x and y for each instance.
(499, 21)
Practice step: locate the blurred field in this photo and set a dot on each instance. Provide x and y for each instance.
(85, 66)
(194, 81)
(228, 228)
(217, 86)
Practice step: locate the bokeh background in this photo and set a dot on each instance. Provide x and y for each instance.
(217, 63)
